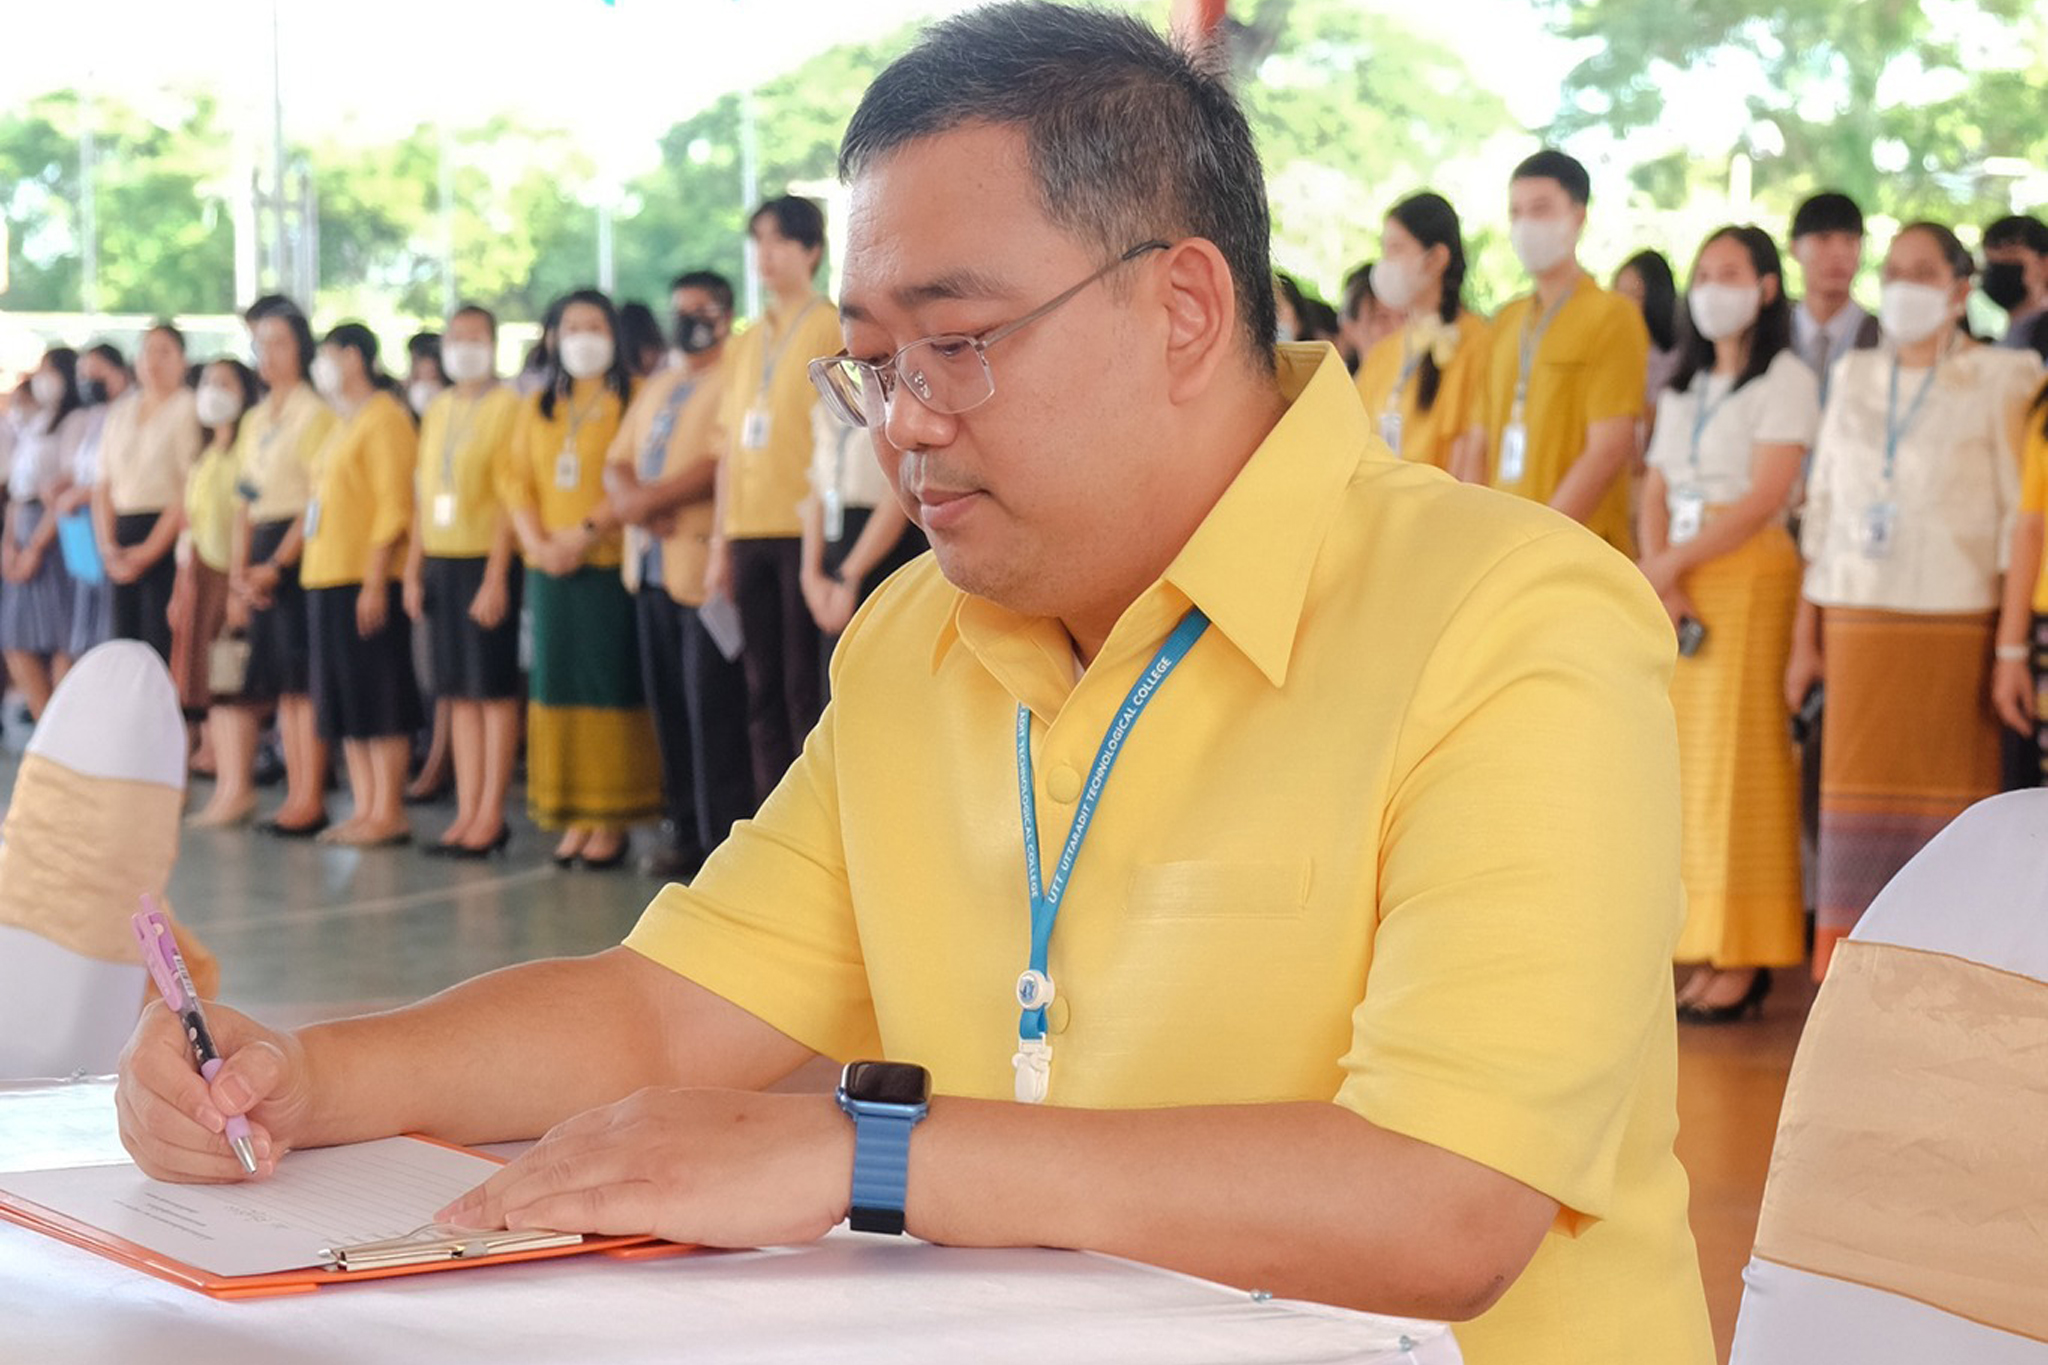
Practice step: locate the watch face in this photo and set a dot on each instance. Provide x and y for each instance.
(887, 1083)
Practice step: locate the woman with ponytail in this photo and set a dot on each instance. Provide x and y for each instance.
(1418, 384)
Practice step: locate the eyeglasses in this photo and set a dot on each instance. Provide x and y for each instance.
(949, 373)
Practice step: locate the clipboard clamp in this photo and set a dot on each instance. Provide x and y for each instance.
(432, 1242)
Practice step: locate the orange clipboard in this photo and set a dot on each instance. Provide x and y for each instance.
(272, 1284)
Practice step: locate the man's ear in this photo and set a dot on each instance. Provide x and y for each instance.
(1195, 285)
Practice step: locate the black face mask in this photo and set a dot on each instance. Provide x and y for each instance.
(696, 333)
(91, 392)
(2005, 284)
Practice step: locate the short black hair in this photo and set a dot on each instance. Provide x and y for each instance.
(477, 310)
(710, 281)
(1566, 170)
(640, 334)
(1828, 211)
(423, 344)
(282, 308)
(1130, 137)
(2020, 230)
(109, 352)
(800, 220)
(1961, 263)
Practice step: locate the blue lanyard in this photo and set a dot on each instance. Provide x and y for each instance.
(1895, 430)
(1704, 416)
(1034, 986)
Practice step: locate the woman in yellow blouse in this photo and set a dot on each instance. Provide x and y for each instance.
(201, 609)
(280, 438)
(590, 765)
(461, 579)
(1418, 384)
(364, 691)
(2019, 681)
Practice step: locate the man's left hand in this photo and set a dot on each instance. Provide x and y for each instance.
(723, 1168)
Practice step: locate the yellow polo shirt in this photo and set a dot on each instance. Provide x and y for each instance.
(1591, 364)
(1401, 834)
(585, 423)
(364, 486)
(696, 438)
(1426, 437)
(277, 454)
(465, 445)
(2034, 495)
(768, 370)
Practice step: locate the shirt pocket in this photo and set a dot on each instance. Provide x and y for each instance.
(1218, 890)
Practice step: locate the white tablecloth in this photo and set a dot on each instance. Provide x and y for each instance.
(848, 1298)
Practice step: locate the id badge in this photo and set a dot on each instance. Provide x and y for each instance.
(568, 470)
(1879, 523)
(1514, 453)
(1390, 430)
(754, 431)
(834, 504)
(1688, 514)
(444, 509)
(312, 518)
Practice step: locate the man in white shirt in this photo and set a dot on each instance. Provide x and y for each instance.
(1827, 241)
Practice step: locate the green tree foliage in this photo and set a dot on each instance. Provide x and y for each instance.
(1898, 102)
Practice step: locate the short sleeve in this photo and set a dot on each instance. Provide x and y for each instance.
(1619, 373)
(1788, 411)
(1529, 899)
(768, 923)
(516, 487)
(1668, 453)
(394, 458)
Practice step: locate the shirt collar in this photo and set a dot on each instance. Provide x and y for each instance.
(1248, 564)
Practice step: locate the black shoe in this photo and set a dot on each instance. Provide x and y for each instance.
(469, 853)
(609, 861)
(1752, 1002)
(268, 769)
(293, 831)
(671, 863)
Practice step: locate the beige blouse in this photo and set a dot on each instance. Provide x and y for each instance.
(144, 461)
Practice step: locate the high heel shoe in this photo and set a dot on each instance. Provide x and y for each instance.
(608, 861)
(1752, 1002)
(476, 853)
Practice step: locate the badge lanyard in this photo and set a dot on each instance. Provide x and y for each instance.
(1882, 518)
(1391, 420)
(1689, 502)
(1532, 340)
(663, 427)
(1033, 1061)
(452, 440)
(569, 463)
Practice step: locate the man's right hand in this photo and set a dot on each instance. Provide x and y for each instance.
(172, 1122)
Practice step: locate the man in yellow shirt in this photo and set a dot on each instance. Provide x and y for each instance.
(1361, 993)
(1568, 363)
(660, 475)
(757, 546)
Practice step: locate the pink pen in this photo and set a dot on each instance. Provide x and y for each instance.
(167, 968)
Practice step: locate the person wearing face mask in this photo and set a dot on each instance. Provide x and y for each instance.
(1418, 383)
(590, 766)
(365, 694)
(1733, 428)
(201, 606)
(276, 447)
(757, 553)
(426, 379)
(1914, 487)
(1564, 386)
(147, 447)
(461, 579)
(104, 378)
(35, 589)
(2016, 279)
(661, 474)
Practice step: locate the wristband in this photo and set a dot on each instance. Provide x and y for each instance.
(2013, 654)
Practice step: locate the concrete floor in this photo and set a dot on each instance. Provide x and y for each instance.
(306, 932)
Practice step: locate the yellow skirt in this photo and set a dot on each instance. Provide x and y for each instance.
(1738, 773)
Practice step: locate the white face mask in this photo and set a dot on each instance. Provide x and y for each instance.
(1720, 311)
(467, 361)
(1396, 281)
(217, 406)
(1912, 313)
(1543, 243)
(48, 388)
(422, 393)
(585, 355)
(327, 376)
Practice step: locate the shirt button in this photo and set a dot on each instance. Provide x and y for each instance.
(1063, 784)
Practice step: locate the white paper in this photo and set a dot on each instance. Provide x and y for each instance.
(324, 1197)
(721, 621)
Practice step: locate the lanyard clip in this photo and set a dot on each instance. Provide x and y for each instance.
(1033, 1063)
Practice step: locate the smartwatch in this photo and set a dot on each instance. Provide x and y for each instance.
(885, 1100)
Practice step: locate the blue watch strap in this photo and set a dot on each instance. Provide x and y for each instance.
(881, 1164)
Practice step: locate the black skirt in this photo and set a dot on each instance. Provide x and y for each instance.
(362, 689)
(469, 662)
(142, 609)
(279, 656)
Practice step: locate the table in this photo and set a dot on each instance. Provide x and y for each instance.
(847, 1298)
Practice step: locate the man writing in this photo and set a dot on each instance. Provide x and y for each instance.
(1359, 986)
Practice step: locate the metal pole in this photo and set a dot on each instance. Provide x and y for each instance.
(447, 223)
(750, 193)
(279, 257)
(88, 209)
